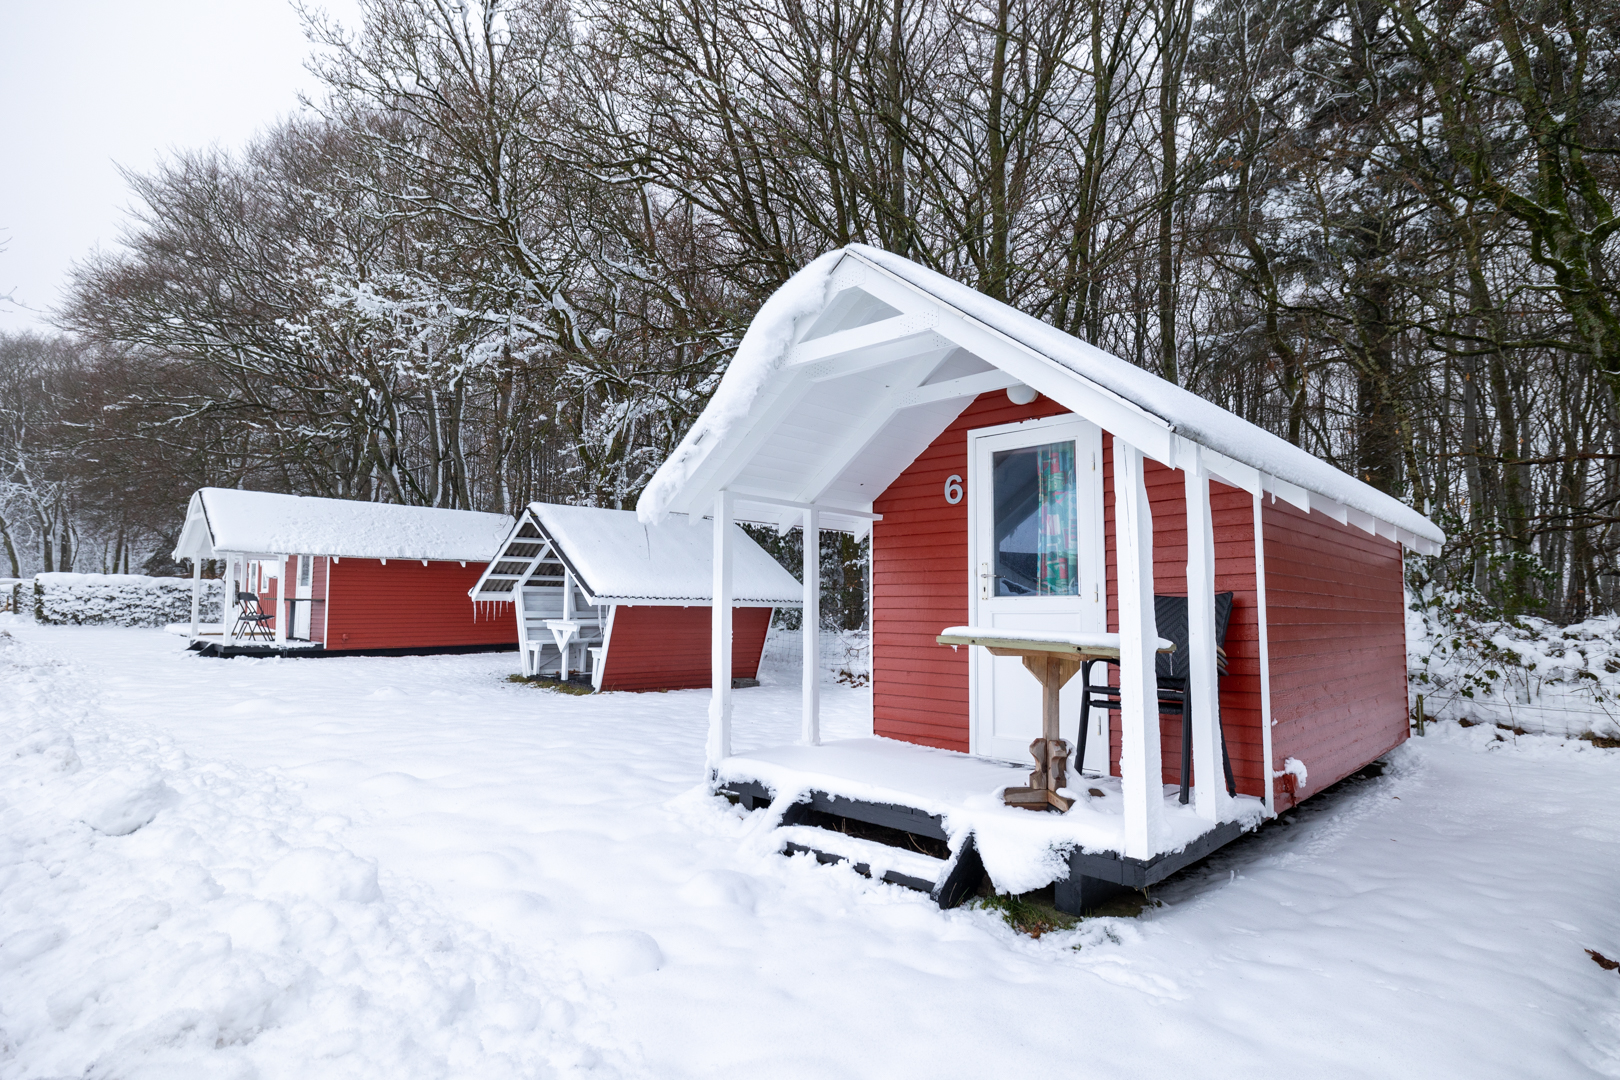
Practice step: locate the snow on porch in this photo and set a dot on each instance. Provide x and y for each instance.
(1022, 850)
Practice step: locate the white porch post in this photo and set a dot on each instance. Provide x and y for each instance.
(196, 593)
(233, 567)
(1140, 766)
(719, 745)
(1209, 790)
(565, 644)
(522, 625)
(810, 734)
(281, 600)
(1267, 780)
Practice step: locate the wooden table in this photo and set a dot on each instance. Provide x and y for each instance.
(1054, 659)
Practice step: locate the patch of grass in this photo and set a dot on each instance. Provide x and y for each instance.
(1027, 913)
(1513, 728)
(1607, 742)
(546, 683)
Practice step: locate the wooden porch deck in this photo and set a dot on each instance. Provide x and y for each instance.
(951, 802)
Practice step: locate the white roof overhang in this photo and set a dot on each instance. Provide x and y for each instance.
(232, 521)
(617, 559)
(885, 354)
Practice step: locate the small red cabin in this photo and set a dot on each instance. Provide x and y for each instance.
(1030, 496)
(310, 576)
(597, 591)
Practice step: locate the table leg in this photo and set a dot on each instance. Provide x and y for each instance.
(1050, 751)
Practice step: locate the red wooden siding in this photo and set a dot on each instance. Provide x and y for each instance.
(667, 648)
(920, 585)
(1337, 624)
(404, 604)
(1233, 513)
(1336, 621)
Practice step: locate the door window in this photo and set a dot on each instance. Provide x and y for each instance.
(1036, 531)
(304, 562)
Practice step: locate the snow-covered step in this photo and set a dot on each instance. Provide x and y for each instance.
(896, 865)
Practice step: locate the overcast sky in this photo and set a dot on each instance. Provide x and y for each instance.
(88, 85)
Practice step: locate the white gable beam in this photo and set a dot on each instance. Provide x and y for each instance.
(882, 354)
(861, 434)
(858, 338)
(1113, 413)
(968, 386)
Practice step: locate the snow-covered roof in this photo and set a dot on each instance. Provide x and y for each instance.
(618, 559)
(862, 358)
(262, 522)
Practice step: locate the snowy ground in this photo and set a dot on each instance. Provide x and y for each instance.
(409, 867)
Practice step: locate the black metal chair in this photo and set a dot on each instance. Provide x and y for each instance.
(251, 616)
(1171, 669)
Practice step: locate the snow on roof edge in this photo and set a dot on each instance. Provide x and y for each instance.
(274, 523)
(1198, 419)
(758, 357)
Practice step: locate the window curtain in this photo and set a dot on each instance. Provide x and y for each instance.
(1059, 549)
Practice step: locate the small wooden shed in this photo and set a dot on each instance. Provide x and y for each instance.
(627, 602)
(1016, 478)
(342, 576)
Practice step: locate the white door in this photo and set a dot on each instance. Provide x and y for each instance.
(303, 589)
(1036, 545)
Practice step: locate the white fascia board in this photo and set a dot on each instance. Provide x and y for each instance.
(1291, 493)
(194, 542)
(1119, 417)
(645, 601)
(1332, 508)
(1227, 471)
(1361, 520)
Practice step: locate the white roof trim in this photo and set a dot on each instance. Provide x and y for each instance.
(617, 559)
(220, 520)
(890, 362)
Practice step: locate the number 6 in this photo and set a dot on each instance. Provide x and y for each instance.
(953, 489)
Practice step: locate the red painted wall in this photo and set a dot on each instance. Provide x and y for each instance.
(667, 648)
(1337, 623)
(404, 604)
(920, 585)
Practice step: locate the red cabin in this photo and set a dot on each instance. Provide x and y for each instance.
(598, 592)
(1036, 506)
(308, 576)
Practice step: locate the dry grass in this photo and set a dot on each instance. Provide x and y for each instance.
(545, 683)
(1027, 913)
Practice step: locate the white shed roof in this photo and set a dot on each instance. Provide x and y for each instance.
(855, 365)
(262, 522)
(617, 559)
